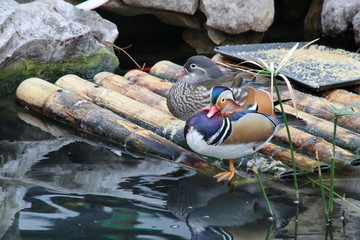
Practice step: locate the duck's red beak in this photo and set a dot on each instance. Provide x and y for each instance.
(183, 72)
(213, 110)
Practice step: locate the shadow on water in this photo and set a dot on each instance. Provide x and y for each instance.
(58, 183)
(213, 211)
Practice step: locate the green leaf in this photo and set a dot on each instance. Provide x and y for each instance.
(349, 106)
(332, 108)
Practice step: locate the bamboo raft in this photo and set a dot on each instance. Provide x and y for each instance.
(131, 111)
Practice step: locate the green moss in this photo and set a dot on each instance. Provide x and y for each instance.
(86, 67)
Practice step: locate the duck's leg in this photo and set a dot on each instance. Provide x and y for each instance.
(228, 174)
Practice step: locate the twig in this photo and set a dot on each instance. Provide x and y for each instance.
(126, 53)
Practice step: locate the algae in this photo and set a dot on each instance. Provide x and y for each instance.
(85, 66)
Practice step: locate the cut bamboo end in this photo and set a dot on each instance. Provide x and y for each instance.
(36, 92)
(131, 90)
(166, 70)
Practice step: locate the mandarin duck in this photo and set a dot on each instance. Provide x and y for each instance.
(192, 90)
(227, 130)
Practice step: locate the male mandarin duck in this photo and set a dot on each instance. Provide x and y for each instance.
(191, 91)
(227, 130)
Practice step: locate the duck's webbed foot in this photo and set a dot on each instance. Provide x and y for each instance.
(227, 175)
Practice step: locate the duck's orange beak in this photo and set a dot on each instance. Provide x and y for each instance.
(183, 72)
(213, 110)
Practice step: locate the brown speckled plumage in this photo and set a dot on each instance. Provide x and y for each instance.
(192, 92)
(184, 99)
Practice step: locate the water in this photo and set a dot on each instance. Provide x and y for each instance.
(59, 183)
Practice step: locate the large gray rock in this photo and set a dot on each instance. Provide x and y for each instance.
(47, 38)
(238, 16)
(217, 22)
(188, 6)
(337, 16)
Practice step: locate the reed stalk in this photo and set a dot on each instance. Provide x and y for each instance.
(336, 194)
(322, 190)
(332, 173)
(263, 192)
(291, 147)
(336, 114)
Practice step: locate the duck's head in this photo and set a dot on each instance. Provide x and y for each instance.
(221, 100)
(198, 69)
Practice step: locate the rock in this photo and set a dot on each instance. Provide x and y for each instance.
(189, 6)
(312, 23)
(238, 16)
(338, 16)
(221, 38)
(213, 22)
(177, 19)
(122, 9)
(50, 38)
(356, 26)
(199, 41)
(204, 43)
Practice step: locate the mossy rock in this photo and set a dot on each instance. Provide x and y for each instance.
(86, 67)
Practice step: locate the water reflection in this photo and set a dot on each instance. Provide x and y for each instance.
(58, 183)
(213, 211)
(88, 192)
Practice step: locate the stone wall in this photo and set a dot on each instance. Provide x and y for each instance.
(209, 23)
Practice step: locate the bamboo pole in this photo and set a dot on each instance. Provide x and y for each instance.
(310, 144)
(301, 137)
(304, 164)
(319, 106)
(342, 96)
(323, 128)
(152, 83)
(57, 103)
(311, 165)
(66, 106)
(166, 70)
(129, 108)
(131, 90)
(153, 119)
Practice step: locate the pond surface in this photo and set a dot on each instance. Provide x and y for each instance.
(59, 183)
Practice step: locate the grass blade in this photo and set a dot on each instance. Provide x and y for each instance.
(258, 178)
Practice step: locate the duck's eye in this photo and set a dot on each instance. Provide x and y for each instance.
(223, 100)
(193, 65)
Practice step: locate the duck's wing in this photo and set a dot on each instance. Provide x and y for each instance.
(262, 98)
(250, 127)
